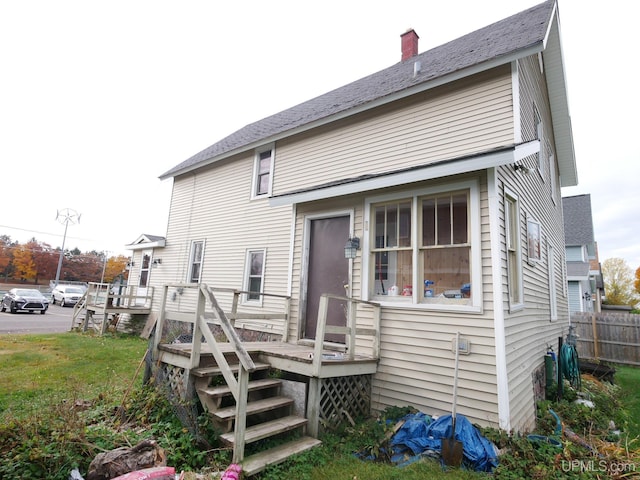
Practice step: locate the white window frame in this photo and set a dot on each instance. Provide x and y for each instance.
(193, 260)
(534, 241)
(475, 260)
(255, 183)
(246, 299)
(513, 245)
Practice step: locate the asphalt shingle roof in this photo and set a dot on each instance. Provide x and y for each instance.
(499, 40)
(578, 220)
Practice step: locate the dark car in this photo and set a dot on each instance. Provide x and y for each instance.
(27, 299)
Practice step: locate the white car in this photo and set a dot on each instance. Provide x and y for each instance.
(66, 295)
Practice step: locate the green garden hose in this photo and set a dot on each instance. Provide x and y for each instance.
(570, 365)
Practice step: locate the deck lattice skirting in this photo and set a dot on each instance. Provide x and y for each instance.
(344, 399)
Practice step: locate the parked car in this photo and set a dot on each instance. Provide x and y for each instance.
(27, 299)
(66, 295)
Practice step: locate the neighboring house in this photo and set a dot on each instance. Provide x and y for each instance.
(447, 168)
(584, 278)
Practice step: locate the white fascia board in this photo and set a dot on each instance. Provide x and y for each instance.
(146, 245)
(406, 176)
(422, 87)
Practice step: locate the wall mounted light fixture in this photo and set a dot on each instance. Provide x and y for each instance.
(157, 261)
(518, 167)
(351, 247)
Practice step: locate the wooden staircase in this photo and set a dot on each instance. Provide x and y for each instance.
(268, 414)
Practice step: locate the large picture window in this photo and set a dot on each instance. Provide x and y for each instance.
(423, 248)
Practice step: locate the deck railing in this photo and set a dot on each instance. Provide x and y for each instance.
(106, 297)
(208, 311)
(351, 331)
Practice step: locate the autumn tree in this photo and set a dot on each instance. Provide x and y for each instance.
(636, 283)
(618, 282)
(23, 264)
(5, 255)
(45, 259)
(114, 267)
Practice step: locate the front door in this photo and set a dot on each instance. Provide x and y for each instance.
(143, 279)
(327, 272)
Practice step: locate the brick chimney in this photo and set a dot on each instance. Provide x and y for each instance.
(409, 44)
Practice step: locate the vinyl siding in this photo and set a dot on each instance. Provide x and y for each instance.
(470, 116)
(416, 365)
(530, 331)
(214, 205)
(416, 362)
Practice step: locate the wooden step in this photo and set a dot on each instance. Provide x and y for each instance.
(267, 429)
(215, 371)
(257, 406)
(258, 462)
(223, 390)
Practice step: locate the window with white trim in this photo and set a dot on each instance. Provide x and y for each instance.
(254, 275)
(263, 172)
(514, 255)
(195, 261)
(426, 239)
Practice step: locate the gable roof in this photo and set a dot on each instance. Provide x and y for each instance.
(578, 222)
(146, 241)
(518, 36)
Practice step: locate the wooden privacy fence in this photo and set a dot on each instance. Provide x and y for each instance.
(608, 336)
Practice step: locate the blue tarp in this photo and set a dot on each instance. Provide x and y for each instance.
(420, 435)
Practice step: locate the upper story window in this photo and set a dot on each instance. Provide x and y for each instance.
(424, 248)
(195, 261)
(254, 275)
(514, 254)
(263, 172)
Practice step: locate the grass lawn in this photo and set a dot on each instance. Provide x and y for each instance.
(38, 370)
(629, 380)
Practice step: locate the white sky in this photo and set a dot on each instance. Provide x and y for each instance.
(99, 98)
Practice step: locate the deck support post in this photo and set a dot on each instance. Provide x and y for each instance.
(313, 406)
(241, 414)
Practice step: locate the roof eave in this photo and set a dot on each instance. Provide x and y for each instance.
(444, 168)
(558, 99)
(422, 87)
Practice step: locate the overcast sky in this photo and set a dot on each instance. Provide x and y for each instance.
(99, 98)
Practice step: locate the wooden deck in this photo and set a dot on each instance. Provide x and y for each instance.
(231, 377)
(100, 306)
(284, 356)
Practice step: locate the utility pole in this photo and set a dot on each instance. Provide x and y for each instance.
(65, 216)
